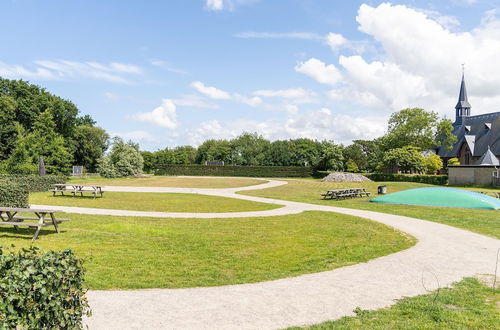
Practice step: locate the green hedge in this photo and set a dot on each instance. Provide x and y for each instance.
(246, 171)
(13, 194)
(421, 178)
(34, 183)
(41, 290)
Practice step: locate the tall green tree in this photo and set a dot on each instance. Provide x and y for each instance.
(444, 136)
(355, 154)
(45, 142)
(123, 160)
(248, 149)
(8, 131)
(330, 157)
(214, 150)
(407, 159)
(279, 153)
(89, 145)
(411, 127)
(185, 155)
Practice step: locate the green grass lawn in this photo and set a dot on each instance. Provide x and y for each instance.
(132, 252)
(469, 304)
(170, 181)
(485, 222)
(155, 202)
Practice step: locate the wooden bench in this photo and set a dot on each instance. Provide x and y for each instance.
(9, 216)
(345, 193)
(492, 193)
(75, 189)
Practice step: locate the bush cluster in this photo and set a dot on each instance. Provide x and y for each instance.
(246, 171)
(41, 290)
(13, 194)
(34, 183)
(421, 178)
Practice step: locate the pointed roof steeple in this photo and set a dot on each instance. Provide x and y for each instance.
(488, 158)
(463, 102)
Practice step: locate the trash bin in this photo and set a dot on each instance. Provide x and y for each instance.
(382, 190)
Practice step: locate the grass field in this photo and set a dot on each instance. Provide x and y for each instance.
(155, 202)
(132, 252)
(469, 304)
(171, 181)
(308, 191)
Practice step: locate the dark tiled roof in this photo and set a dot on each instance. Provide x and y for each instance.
(484, 131)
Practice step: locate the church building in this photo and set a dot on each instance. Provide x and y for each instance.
(478, 137)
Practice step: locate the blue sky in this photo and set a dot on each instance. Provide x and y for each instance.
(168, 73)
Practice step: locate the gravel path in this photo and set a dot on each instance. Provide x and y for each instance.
(442, 256)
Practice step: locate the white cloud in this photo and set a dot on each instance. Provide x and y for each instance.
(318, 70)
(251, 101)
(278, 35)
(18, 71)
(218, 94)
(295, 95)
(195, 101)
(167, 66)
(63, 69)
(218, 5)
(163, 116)
(215, 4)
(136, 136)
(212, 92)
(317, 124)
(418, 62)
(335, 41)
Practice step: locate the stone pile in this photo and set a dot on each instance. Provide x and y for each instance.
(345, 177)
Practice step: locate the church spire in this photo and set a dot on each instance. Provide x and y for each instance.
(463, 106)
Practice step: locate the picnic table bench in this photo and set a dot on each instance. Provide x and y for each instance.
(345, 193)
(75, 189)
(492, 193)
(10, 216)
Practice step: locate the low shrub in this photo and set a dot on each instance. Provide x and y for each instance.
(245, 171)
(41, 290)
(34, 183)
(13, 194)
(421, 178)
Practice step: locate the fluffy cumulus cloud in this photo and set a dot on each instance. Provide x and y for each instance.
(321, 124)
(211, 92)
(163, 116)
(63, 69)
(218, 94)
(419, 62)
(335, 41)
(318, 70)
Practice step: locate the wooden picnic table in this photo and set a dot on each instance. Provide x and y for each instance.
(345, 193)
(75, 188)
(10, 216)
(493, 193)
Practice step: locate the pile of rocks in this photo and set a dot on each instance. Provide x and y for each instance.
(345, 177)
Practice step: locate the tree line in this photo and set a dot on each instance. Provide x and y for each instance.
(36, 124)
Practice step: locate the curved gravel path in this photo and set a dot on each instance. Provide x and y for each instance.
(443, 253)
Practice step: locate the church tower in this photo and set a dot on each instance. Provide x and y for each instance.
(463, 106)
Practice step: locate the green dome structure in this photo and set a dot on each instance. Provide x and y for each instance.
(440, 196)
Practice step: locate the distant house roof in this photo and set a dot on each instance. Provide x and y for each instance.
(488, 159)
